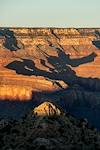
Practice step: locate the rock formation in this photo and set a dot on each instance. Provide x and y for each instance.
(46, 109)
(49, 132)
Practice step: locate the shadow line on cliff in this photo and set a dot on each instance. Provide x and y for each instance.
(96, 43)
(60, 71)
(80, 106)
(10, 41)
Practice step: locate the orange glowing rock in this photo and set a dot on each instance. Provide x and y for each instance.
(12, 92)
(47, 109)
(75, 42)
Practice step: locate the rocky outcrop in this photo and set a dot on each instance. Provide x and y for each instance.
(47, 109)
(49, 132)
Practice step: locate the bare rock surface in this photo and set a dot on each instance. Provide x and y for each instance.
(46, 109)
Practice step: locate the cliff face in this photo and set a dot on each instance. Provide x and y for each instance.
(29, 43)
(17, 44)
(46, 60)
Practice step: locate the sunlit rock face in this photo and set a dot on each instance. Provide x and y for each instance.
(42, 64)
(15, 92)
(46, 109)
(18, 44)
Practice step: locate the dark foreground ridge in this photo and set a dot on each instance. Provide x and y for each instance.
(47, 127)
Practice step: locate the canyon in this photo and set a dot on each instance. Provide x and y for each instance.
(60, 65)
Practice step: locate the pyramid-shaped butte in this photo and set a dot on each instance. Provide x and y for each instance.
(47, 109)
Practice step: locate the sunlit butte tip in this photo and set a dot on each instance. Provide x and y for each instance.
(47, 109)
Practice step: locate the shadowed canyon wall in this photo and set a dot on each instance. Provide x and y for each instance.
(50, 60)
(75, 42)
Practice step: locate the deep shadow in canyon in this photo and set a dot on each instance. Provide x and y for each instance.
(82, 98)
(10, 41)
(60, 71)
(79, 106)
(96, 43)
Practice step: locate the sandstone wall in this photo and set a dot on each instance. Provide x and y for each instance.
(77, 43)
